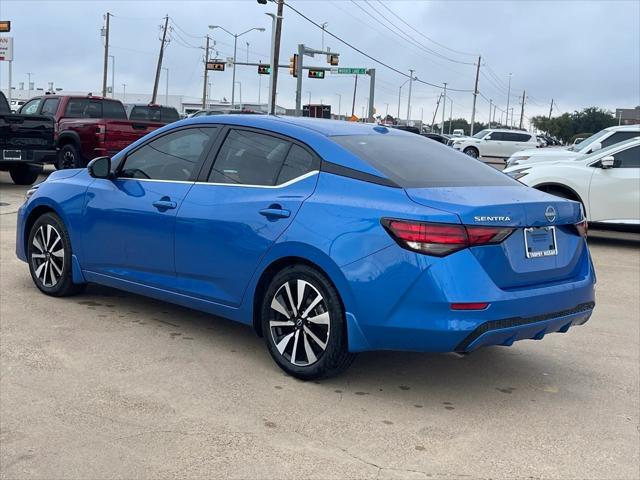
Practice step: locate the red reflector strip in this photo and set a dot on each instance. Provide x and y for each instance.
(469, 306)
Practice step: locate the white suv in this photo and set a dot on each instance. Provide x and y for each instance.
(602, 139)
(495, 145)
(606, 182)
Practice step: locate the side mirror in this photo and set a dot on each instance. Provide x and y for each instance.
(595, 147)
(100, 167)
(607, 162)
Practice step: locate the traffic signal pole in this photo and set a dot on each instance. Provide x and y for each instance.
(204, 87)
(299, 80)
(372, 88)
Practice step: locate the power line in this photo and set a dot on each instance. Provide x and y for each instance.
(423, 35)
(404, 35)
(379, 62)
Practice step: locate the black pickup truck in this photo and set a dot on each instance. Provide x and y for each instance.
(26, 143)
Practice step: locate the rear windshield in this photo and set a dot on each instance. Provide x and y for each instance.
(154, 114)
(413, 161)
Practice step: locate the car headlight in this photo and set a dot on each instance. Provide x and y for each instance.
(31, 191)
(518, 174)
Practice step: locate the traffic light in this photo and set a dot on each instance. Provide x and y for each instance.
(316, 73)
(264, 69)
(293, 65)
(333, 59)
(215, 66)
(5, 26)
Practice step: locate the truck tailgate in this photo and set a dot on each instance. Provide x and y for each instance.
(122, 133)
(26, 132)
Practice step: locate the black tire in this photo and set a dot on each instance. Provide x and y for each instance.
(69, 157)
(25, 174)
(319, 362)
(49, 257)
(472, 152)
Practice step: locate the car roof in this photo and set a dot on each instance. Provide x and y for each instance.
(623, 128)
(318, 125)
(508, 130)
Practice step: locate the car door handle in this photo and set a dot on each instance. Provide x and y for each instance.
(164, 204)
(275, 211)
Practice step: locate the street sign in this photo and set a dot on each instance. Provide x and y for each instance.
(6, 49)
(5, 26)
(316, 73)
(349, 71)
(216, 65)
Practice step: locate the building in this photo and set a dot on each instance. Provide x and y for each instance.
(628, 116)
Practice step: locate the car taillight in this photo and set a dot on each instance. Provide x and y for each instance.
(440, 239)
(582, 228)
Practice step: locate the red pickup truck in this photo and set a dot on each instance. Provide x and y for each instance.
(87, 127)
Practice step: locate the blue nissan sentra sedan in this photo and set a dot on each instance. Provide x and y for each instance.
(328, 238)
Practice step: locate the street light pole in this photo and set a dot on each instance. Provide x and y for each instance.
(124, 92)
(508, 97)
(339, 104)
(29, 83)
(400, 98)
(409, 99)
(323, 25)
(235, 51)
(444, 107)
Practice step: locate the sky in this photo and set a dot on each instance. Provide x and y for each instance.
(580, 53)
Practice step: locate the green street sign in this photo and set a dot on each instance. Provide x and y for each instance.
(349, 71)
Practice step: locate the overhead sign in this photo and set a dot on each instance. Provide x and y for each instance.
(5, 26)
(349, 71)
(215, 66)
(6, 49)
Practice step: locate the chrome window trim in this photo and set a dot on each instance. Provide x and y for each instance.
(282, 185)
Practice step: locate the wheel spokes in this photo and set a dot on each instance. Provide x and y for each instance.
(313, 336)
(278, 307)
(312, 305)
(292, 305)
(48, 264)
(311, 357)
(284, 342)
(295, 347)
(322, 319)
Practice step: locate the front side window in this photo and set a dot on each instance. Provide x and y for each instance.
(31, 107)
(171, 157)
(629, 158)
(249, 158)
(496, 137)
(481, 134)
(412, 161)
(50, 106)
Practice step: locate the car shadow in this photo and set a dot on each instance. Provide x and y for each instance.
(415, 378)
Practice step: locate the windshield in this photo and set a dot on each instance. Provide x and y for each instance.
(585, 144)
(413, 161)
(481, 134)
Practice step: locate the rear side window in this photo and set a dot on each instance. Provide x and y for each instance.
(629, 158)
(50, 106)
(412, 161)
(298, 162)
(169, 115)
(83, 108)
(144, 113)
(249, 158)
(516, 137)
(619, 137)
(113, 110)
(171, 157)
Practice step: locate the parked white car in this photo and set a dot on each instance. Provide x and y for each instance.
(602, 139)
(606, 182)
(495, 144)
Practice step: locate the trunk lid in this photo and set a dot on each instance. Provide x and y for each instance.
(519, 207)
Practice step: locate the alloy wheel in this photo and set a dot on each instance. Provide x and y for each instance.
(300, 326)
(68, 159)
(47, 256)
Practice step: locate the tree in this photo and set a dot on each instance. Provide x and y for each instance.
(589, 120)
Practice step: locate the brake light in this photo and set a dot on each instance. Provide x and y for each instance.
(582, 228)
(440, 239)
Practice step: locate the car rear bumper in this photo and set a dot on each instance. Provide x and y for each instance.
(26, 157)
(407, 303)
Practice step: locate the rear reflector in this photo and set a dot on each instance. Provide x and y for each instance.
(469, 306)
(440, 239)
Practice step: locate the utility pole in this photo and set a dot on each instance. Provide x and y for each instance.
(508, 97)
(275, 57)
(106, 56)
(551, 109)
(490, 103)
(433, 120)
(522, 108)
(113, 76)
(372, 90)
(444, 104)
(475, 96)
(124, 92)
(409, 99)
(166, 87)
(159, 66)
(204, 85)
(355, 89)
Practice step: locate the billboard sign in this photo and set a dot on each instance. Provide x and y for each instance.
(6, 49)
